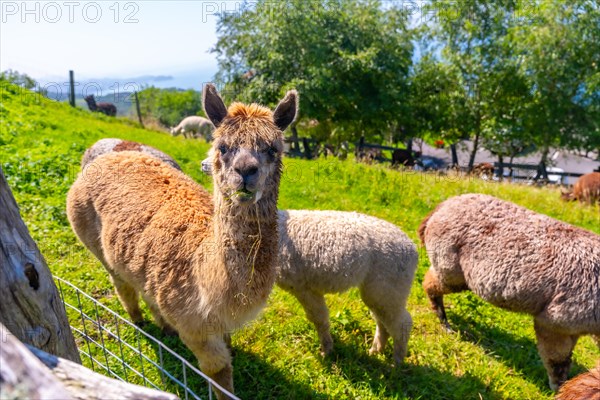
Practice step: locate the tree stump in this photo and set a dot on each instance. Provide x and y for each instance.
(31, 308)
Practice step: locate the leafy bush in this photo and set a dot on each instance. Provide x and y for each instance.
(169, 106)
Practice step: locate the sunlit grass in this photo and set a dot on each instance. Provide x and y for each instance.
(493, 357)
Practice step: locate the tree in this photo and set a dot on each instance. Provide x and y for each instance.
(561, 58)
(33, 311)
(436, 101)
(169, 106)
(473, 37)
(348, 59)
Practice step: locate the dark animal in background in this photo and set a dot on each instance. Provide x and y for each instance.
(105, 108)
(586, 189)
(405, 157)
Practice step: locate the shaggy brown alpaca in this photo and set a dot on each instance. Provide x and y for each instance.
(105, 108)
(583, 387)
(107, 145)
(205, 266)
(586, 189)
(521, 261)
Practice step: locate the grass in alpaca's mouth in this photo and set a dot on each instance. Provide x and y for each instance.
(244, 193)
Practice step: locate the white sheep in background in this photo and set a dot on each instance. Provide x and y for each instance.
(521, 261)
(332, 251)
(194, 126)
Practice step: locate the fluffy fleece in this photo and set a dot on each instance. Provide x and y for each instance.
(519, 260)
(332, 251)
(108, 145)
(194, 126)
(583, 387)
(204, 265)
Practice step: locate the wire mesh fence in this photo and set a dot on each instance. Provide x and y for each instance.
(111, 345)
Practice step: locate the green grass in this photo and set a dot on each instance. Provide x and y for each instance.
(493, 357)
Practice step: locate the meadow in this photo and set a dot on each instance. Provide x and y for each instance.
(492, 356)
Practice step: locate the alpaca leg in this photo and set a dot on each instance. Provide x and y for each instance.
(381, 337)
(214, 360)
(388, 308)
(435, 291)
(158, 318)
(129, 298)
(555, 351)
(317, 313)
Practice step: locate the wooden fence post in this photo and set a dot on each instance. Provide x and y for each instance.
(307, 153)
(31, 307)
(137, 107)
(72, 88)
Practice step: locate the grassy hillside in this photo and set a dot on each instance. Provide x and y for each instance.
(493, 357)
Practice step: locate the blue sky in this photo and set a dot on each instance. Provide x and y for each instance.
(106, 39)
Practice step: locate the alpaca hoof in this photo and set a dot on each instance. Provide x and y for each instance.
(374, 350)
(169, 331)
(326, 351)
(141, 323)
(447, 328)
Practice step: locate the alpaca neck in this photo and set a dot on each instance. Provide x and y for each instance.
(245, 240)
(247, 234)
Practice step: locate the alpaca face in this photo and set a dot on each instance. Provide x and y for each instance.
(248, 146)
(243, 174)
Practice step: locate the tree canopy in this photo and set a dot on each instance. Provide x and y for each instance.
(349, 59)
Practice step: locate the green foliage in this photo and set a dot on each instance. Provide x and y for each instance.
(348, 59)
(493, 357)
(528, 72)
(560, 52)
(169, 106)
(17, 78)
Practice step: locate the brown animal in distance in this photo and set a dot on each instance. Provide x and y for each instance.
(204, 264)
(586, 189)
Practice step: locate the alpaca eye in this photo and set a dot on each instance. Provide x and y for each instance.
(223, 149)
(271, 151)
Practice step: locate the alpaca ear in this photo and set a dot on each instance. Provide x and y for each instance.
(286, 111)
(213, 105)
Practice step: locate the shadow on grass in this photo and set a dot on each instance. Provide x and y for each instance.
(411, 381)
(253, 377)
(516, 352)
(256, 378)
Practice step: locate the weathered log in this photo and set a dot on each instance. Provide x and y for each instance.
(29, 373)
(83, 384)
(22, 375)
(31, 307)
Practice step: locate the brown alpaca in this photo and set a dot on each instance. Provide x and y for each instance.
(521, 261)
(586, 189)
(583, 387)
(107, 145)
(205, 266)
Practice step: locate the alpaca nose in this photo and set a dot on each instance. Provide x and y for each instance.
(247, 173)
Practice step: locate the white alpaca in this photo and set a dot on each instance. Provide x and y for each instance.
(193, 127)
(332, 251)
